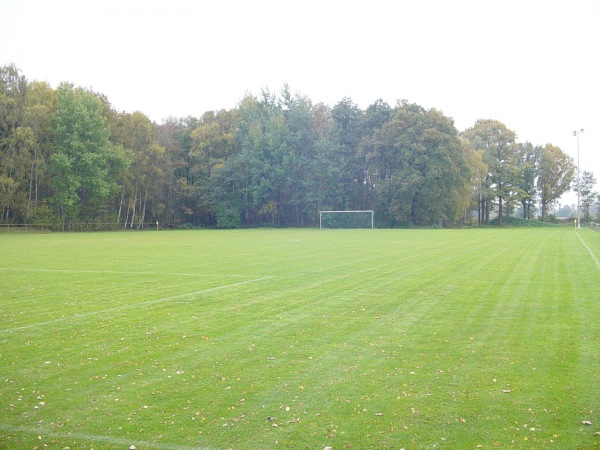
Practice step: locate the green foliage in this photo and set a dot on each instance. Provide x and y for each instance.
(510, 221)
(421, 166)
(228, 216)
(274, 160)
(186, 226)
(45, 216)
(556, 171)
(587, 192)
(16, 145)
(500, 153)
(83, 165)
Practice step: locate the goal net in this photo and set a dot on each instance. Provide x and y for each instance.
(346, 219)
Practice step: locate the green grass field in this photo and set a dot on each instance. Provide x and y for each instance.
(260, 339)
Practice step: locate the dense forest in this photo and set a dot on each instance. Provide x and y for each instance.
(67, 157)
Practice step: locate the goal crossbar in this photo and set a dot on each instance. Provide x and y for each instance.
(369, 211)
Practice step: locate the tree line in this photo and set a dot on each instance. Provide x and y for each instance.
(66, 155)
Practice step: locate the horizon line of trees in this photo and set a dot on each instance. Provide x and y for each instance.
(66, 155)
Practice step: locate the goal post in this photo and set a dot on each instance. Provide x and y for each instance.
(346, 219)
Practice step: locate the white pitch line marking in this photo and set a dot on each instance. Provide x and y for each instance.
(589, 251)
(135, 305)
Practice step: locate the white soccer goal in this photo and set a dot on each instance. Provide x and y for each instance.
(346, 219)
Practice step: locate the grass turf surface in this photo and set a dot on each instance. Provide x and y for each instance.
(300, 339)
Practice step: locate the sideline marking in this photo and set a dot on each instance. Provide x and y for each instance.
(93, 437)
(589, 251)
(134, 305)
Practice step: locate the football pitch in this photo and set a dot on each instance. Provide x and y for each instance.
(293, 339)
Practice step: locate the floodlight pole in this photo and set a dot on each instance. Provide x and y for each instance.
(577, 133)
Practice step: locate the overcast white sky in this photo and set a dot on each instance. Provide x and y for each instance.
(531, 64)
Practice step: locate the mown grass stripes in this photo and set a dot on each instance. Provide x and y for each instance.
(300, 339)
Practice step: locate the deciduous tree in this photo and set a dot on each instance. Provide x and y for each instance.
(84, 165)
(15, 144)
(422, 167)
(502, 158)
(587, 192)
(554, 176)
